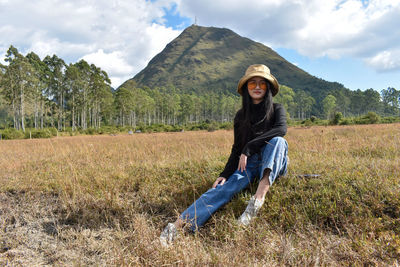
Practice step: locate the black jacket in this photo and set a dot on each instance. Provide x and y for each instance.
(258, 136)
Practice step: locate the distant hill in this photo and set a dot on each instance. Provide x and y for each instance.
(204, 59)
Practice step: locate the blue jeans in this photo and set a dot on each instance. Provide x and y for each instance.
(272, 156)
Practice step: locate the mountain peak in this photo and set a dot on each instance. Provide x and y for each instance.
(204, 59)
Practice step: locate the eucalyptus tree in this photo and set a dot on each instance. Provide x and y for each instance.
(39, 87)
(196, 116)
(373, 101)
(329, 105)
(342, 100)
(8, 83)
(57, 89)
(305, 103)
(391, 100)
(16, 82)
(358, 103)
(210, 107)
(163, 99)
(148, 108)
(186, 108)
(100, 94)
(158, 98)
(227, 105)
(143, 105)
(173, 101)
(124, 103)
(235, 103)
(73, 84)
(83, 92)
(286, 97)
(3, 70)
(3, 112)
(107, 107)
(3, 106)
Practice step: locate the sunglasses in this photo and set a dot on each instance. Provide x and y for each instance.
(251, 85)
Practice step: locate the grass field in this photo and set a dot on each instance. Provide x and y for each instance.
(103, 200)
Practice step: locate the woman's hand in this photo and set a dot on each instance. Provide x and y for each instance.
(242, 163)
(219, 181)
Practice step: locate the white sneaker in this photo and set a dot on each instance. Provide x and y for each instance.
(168, 235)
(251, 211)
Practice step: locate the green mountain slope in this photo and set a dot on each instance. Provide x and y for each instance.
(204, 59)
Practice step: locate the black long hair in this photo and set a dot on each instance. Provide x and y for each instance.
(246, 125)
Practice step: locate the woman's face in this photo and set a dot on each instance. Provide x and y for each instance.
(257, 87)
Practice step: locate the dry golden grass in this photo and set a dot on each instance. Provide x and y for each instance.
(103, 200)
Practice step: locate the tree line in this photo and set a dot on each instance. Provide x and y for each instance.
(50, 93)
(301, 105)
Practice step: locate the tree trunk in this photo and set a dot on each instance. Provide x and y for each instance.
(14, 114)
(73, 112)
(36, 111)
(41, 113)
(22, 109)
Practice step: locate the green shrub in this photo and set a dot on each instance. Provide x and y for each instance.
(70, 132)
(177, 128)
(307, 122)
(390, 119)
(90, 131)
(226, 125)
(369, 118)
(346, 121)
(107, 130)
(141, 127)
(291, 122)
(372, 117)
(39, 133)
(158, 128)
(53, 131)
(198, 126)
(288, 116)
(313, 119)
(169, 128)
(337, 117)
(212, 127)
(11, 133)
(124, 129)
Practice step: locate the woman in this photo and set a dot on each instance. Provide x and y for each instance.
(258, 151)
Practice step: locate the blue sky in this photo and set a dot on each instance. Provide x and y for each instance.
(352, 72)
(353, 42)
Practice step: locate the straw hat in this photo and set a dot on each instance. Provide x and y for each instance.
(262, 71)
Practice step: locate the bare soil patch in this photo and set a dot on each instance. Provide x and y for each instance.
(34, 232)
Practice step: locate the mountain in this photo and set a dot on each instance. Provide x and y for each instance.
(204, 59)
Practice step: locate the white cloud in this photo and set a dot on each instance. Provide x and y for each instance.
(128, 33)
(122, 32)
(113, 63)
(332, 28)
(386, 60)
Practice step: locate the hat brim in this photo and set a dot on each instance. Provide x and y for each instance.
(269, 77)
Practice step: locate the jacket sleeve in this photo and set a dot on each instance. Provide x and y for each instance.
(279, 128)
(233, 160)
